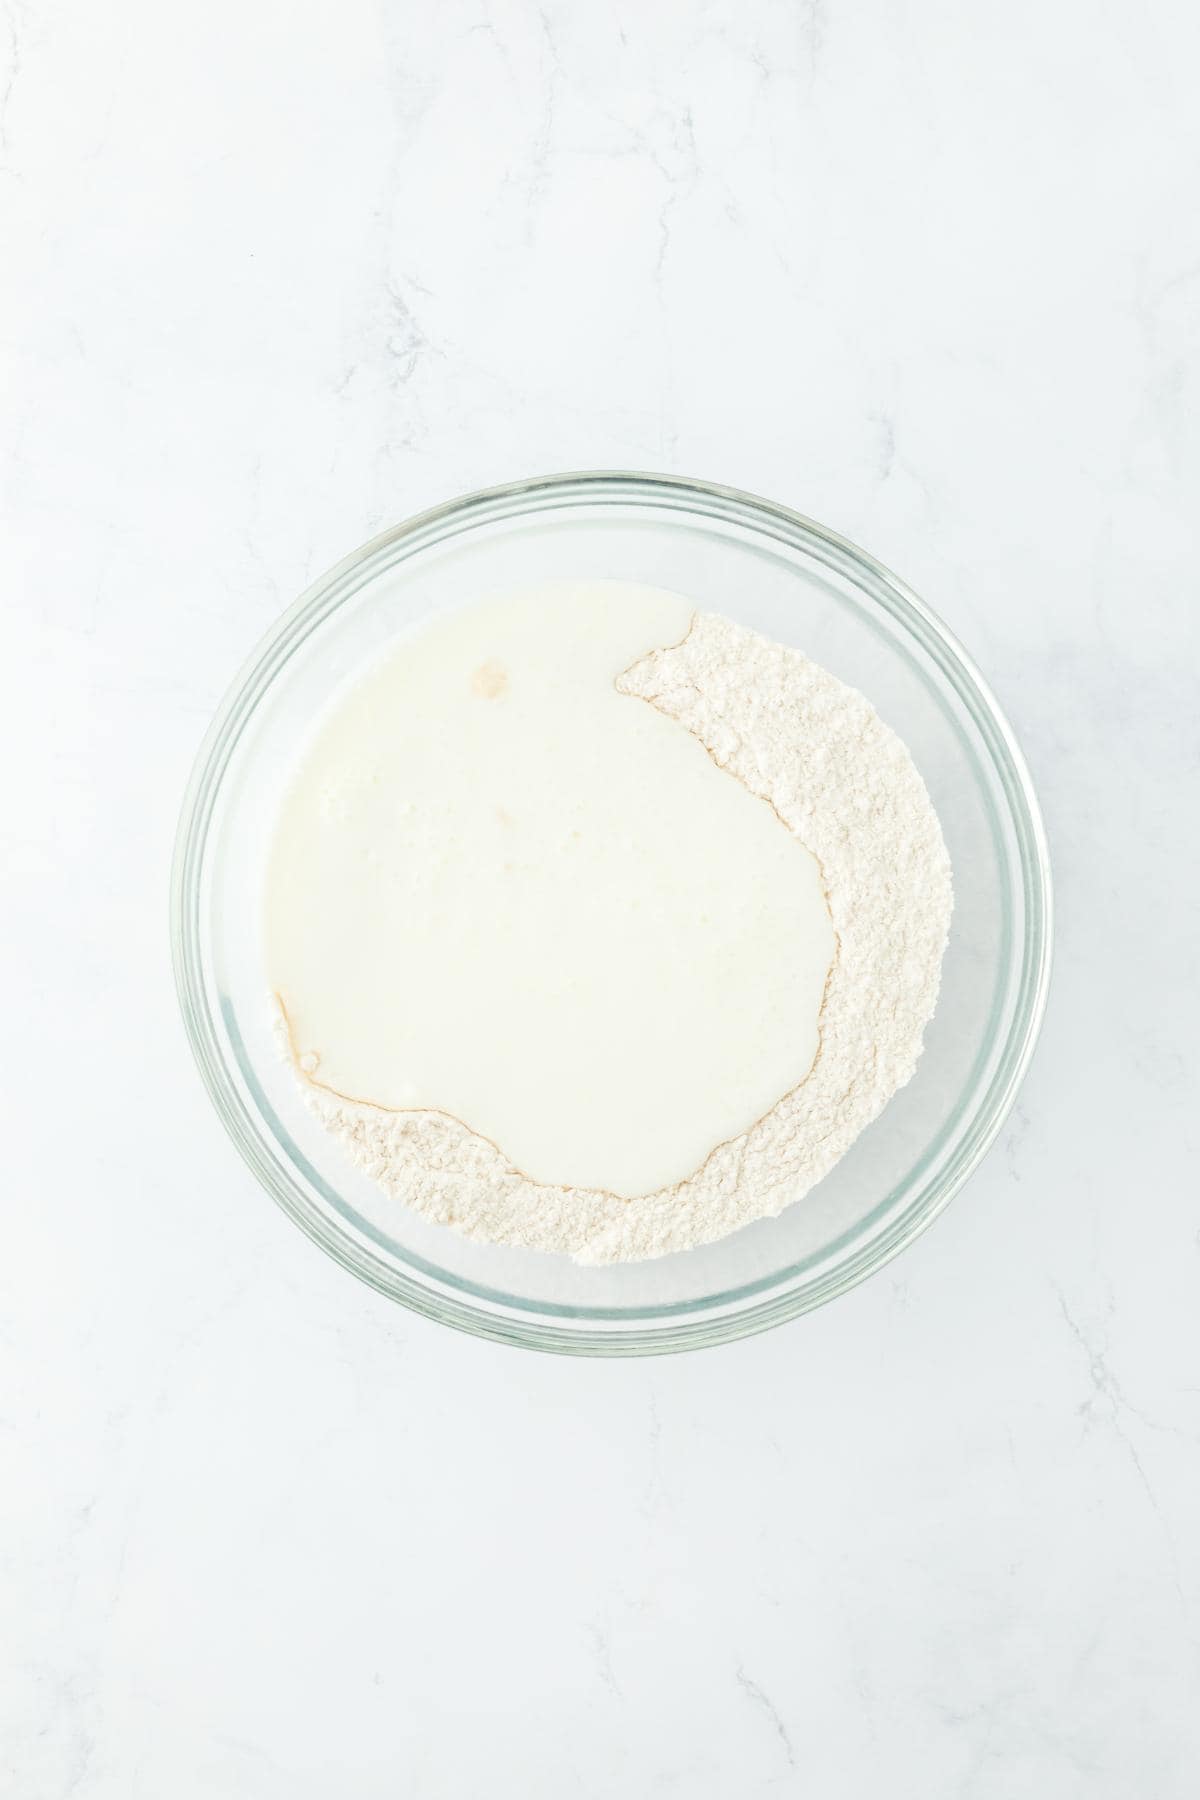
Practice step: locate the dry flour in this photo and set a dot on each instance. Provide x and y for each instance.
(817, 753)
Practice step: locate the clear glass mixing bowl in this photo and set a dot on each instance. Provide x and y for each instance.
(798, 583)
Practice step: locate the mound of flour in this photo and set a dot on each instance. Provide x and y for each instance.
(836, 776)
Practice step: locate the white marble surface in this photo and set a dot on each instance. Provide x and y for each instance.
(276, 275)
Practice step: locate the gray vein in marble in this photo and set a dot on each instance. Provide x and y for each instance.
(1015, 1134)
(1108, 1403)
(486, 27)
(1106, 1383)
(679, 186)
(14, 19)
(763, 1701)
(890, 463)
(654, 1494)
(598, 1637)
(887, 448)
(543, 143)
(812, 24)
(408, 341)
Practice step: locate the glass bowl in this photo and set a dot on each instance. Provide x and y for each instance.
(782, 575)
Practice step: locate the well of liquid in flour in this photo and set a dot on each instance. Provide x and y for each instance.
(503, 890)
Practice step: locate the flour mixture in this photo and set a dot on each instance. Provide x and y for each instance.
(597, 926)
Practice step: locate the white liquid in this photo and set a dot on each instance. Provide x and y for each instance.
(501, 889)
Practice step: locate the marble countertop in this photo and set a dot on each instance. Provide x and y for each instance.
(277, 276)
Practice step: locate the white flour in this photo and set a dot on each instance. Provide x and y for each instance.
(837, 777)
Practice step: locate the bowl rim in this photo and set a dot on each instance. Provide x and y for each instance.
(542, 1329)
